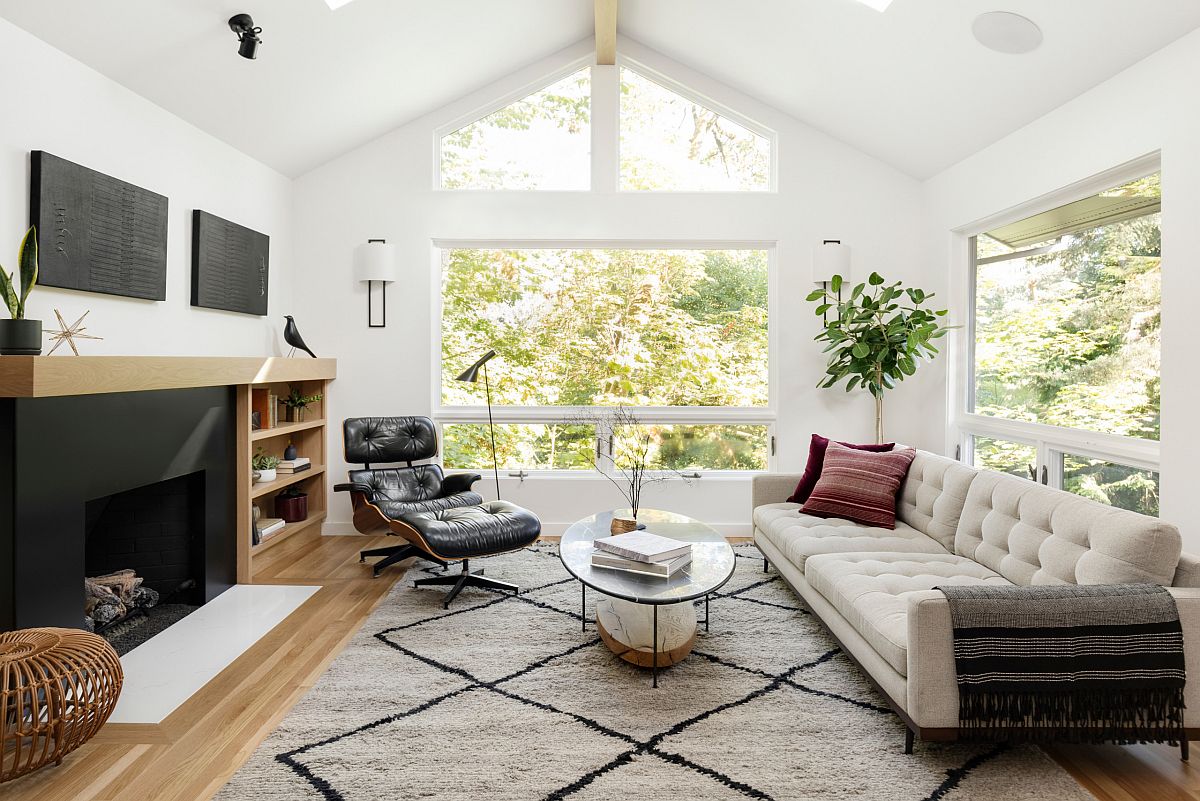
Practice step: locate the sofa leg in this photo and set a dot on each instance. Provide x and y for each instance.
(1183, 749)
(908, 740)
(766, 565)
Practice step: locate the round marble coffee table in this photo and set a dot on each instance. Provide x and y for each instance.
(647, 620)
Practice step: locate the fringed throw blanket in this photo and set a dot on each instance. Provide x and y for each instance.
(1082, 664)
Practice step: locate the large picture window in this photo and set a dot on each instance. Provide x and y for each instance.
(678, 336)
(1066, 336)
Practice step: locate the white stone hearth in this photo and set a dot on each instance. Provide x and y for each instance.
(172, 666)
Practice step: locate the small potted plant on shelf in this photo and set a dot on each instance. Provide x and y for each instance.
(18, 336)
(297, 403)
(264, 465)
(291, 505)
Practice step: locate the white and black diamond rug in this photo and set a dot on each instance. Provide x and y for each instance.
(506, 698)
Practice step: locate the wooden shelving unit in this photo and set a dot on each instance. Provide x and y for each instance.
(308, 435)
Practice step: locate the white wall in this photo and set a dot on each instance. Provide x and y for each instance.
(52, 102)
(384, 190)
(1150, 107)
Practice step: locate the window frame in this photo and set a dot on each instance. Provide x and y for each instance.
(492, 106)
(604, 170)
(1051, 441)
(650, 415)
(672, 85)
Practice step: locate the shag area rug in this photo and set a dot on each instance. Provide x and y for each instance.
(506, 698)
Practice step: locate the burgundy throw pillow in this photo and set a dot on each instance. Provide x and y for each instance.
(860, 486)
(816, 458)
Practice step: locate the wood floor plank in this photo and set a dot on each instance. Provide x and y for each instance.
(199, 746)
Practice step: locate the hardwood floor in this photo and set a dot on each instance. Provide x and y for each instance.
(194, 751)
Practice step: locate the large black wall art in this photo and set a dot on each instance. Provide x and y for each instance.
(229, 265)
(97, 233)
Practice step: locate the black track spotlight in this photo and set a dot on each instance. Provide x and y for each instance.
(243, 26)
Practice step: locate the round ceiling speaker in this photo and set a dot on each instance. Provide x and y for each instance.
(1006, 32)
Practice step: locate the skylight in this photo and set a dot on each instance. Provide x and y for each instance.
(334, 5)
(878, 5)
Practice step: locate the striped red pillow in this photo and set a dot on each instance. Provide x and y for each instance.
(859, 486)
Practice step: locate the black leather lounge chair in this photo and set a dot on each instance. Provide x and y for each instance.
(439, 516)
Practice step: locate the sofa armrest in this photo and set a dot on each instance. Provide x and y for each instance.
(773, 487)
(455, 483)
(354, 486)
(932, 683)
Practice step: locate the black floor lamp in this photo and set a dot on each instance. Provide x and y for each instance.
(471, 374)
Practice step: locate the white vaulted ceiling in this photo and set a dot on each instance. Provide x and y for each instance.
(909, 85)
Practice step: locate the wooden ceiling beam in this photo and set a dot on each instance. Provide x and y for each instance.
(606, 31)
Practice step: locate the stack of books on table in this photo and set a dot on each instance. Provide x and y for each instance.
(297, 465)
(641, 552)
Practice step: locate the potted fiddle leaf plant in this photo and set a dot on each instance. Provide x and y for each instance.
(878, 336)
(18, 336)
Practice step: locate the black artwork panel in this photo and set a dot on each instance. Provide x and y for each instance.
(229, 265)
(97, 233)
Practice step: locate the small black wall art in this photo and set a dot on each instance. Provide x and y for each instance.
(95, 232)
(229, 265)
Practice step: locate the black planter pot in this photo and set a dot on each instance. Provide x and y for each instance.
(20, 337)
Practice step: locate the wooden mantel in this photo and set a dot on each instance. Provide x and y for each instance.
(48, 376)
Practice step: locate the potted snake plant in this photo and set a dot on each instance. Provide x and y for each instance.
(18, 336)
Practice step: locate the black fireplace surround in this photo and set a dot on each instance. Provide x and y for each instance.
(59, 453)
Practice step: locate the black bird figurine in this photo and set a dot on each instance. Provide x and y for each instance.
(291, 335)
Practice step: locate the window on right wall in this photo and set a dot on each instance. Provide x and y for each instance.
(1066, 330)
(670, 142)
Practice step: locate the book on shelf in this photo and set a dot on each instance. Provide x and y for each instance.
(260, 405)
(664, 569)
(269, 526)
(290, 470)
(642, 546)
(299, 461)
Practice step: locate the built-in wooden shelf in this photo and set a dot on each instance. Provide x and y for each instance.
(285, 480)
(286, 428)
(288, 530)
(310, 377)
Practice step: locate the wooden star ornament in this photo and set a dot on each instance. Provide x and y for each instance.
(69, 333)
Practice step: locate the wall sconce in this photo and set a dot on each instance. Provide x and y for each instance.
(831, 258)
(376, 263)
(247, 34)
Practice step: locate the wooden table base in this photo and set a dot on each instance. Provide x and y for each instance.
(627, 629)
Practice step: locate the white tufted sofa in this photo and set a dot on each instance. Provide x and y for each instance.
(873, 587)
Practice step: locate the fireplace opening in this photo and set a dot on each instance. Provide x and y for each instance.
(144, 559)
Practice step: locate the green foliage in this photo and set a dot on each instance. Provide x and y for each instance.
(669, 142)
(263, 461)
(1073, 337)
(298, 400)
(877, 336)
(27, 274)
(476, 157)
(608, 327)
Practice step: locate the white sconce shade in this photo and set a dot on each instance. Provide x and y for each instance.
(376, 260)
(831, 258)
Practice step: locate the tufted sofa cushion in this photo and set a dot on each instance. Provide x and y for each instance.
(800, 536)
(872, 591)
(1032, 534)
(932, 496)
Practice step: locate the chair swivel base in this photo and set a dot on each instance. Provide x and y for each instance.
(393, 554)
(467, 578)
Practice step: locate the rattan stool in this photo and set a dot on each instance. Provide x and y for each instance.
(57, 688)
